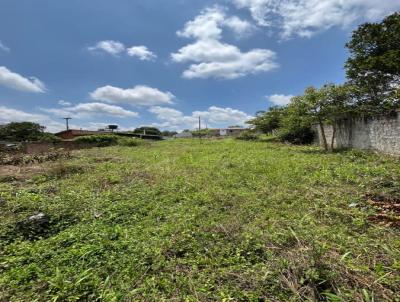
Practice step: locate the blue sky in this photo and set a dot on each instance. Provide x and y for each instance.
(166, 62)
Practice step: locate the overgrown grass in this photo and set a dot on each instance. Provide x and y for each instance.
(198, 220)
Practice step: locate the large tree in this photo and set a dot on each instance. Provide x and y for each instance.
(374, 65)
(323, 106)
(23, 131)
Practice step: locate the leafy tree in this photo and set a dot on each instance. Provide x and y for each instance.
(268, 121)
(322, 106)
(25, 131)
(147, 131)
(295, 126)
(374, 65)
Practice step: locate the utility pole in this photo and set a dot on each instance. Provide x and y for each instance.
(199, 123)
(66, 121)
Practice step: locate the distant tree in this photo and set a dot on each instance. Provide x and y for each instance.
(374, 65)
(112, 127)
(147, 131)
(23, 131)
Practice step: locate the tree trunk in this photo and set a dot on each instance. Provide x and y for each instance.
(333, 135)
(324, 141)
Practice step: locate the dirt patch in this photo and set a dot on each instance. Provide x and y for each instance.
(24, 159)
(10, 172)
(387, 208)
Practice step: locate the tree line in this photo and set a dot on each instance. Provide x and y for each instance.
(372, 88)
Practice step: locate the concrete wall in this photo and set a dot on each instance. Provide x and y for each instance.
(380, 134)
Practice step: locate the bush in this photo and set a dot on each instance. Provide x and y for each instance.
(248, 136)
(49, 138)
(130, 142)
(297, 136)
(101, 140)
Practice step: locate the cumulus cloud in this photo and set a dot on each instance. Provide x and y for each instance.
(305, 18)
(18, 82)
(3, 47)
(213, 58)
(141, 52)
(85, 110)
(109, 46)
(279, 99)
(215, 117)
(116, 48)
(139, 95)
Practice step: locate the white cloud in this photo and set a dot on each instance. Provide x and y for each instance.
(223, 116)
(85, 110)
(109, 46)
(305, 18)
(3, 47)
(64, 103)
(115, 48)
(141, 52)
(139, 95)
(279, 99)
(214, 117)
(16, 81)
(214, 58)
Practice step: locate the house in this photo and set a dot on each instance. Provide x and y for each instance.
(227, 131)
(183, 135)
(71, 134)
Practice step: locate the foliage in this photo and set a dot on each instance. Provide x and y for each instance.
(147, 131)
(101, 140)
(104, 140)
(25, 131)
(323, 106)
(374, 65)
(210, 220)
(248, 135)
(268, 121)
(130, 142)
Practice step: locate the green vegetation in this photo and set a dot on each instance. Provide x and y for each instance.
(373, 72)
(26, 131)
(203, 220)
(104, 140)
(374, 65)
(147, 131)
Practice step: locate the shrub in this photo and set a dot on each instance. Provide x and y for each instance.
(300, 135)
(101, 140)
(248, 136)
(130, 142)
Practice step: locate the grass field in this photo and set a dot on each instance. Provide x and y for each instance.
(220, 220)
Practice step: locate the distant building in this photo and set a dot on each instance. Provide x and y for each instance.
(71, 134)
(183, 135)
(226, 131)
